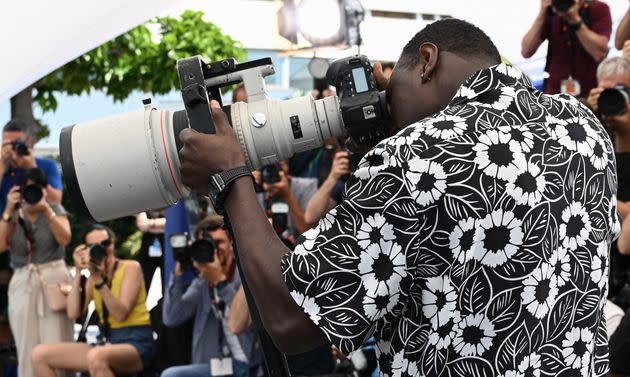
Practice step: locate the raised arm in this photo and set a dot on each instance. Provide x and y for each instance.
(536, 33)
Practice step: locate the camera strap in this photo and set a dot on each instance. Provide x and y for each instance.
(219, 307)
(105, 320)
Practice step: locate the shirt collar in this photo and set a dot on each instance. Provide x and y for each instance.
(490, 79)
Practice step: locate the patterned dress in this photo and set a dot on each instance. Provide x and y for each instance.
(474, 242)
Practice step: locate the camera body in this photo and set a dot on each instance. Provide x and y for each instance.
(201, 250)
(363, 107)
(613, 101)
(97, 253)
(20, 147)
(270, 174)
(562, 5)
(32, 193)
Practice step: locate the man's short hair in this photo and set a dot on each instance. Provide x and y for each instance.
(36, 175)
(209, 224)
(615, 66)
(456, 36)
(96, 226)
(18, 125)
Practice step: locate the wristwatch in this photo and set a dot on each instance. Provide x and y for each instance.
(101, 284)
(220, 184)
(576, 26)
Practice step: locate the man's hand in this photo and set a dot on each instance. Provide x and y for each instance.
(204, 155)
(42, 206)
(571, 15)
(13, 197)
(593, 97)
(5, 155)
(280, 189)
(340, 166)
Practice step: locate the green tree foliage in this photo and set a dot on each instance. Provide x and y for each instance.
(135, 61)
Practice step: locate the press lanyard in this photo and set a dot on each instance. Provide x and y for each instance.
(218, 306)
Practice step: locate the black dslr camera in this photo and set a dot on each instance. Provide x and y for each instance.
(201, 250)
(20, 147)
(32, 193)
(562, 5)
(363, 107)
(270, 173)
(98, 251)
(613, 101)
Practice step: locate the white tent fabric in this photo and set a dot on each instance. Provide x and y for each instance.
(38, 36)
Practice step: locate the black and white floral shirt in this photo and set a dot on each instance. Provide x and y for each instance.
(474, 242)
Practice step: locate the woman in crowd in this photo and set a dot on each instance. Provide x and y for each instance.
(118, 291)
(35, 233)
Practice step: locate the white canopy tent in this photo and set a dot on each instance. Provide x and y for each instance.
(38, 36)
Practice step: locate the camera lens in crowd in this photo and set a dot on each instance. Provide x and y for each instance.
(562, 5)
(20, 148)
(270, 173)
(202, 250)
(614, 101)
(97, 253)
(32, 193)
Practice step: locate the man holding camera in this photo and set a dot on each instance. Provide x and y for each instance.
(17, 155)
(473, 241)
(614, 74)
(296, 192)
(216, 350)
(578, 32)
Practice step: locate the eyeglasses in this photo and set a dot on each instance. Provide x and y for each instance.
(106, 243)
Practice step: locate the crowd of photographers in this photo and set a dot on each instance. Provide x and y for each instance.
(204, 300)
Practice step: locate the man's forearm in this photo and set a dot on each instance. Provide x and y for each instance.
(318, 205)
(623, 31)
(534, 37)
(297, 214)
(53, 195)
(260, 253)
(596, 45)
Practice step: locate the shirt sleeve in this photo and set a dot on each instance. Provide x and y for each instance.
(351, 270)
(52, 173)
(601, 20)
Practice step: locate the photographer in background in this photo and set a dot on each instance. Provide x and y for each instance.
(209, 300)
(117, 288)
(296, 192)
(35, 232)
(611, 73)
(578, 32)
(17, 155)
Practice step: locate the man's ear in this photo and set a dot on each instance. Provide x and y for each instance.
(428, 60)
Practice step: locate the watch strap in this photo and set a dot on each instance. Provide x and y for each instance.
(575, 26)
(101, 284)
(224, 181)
